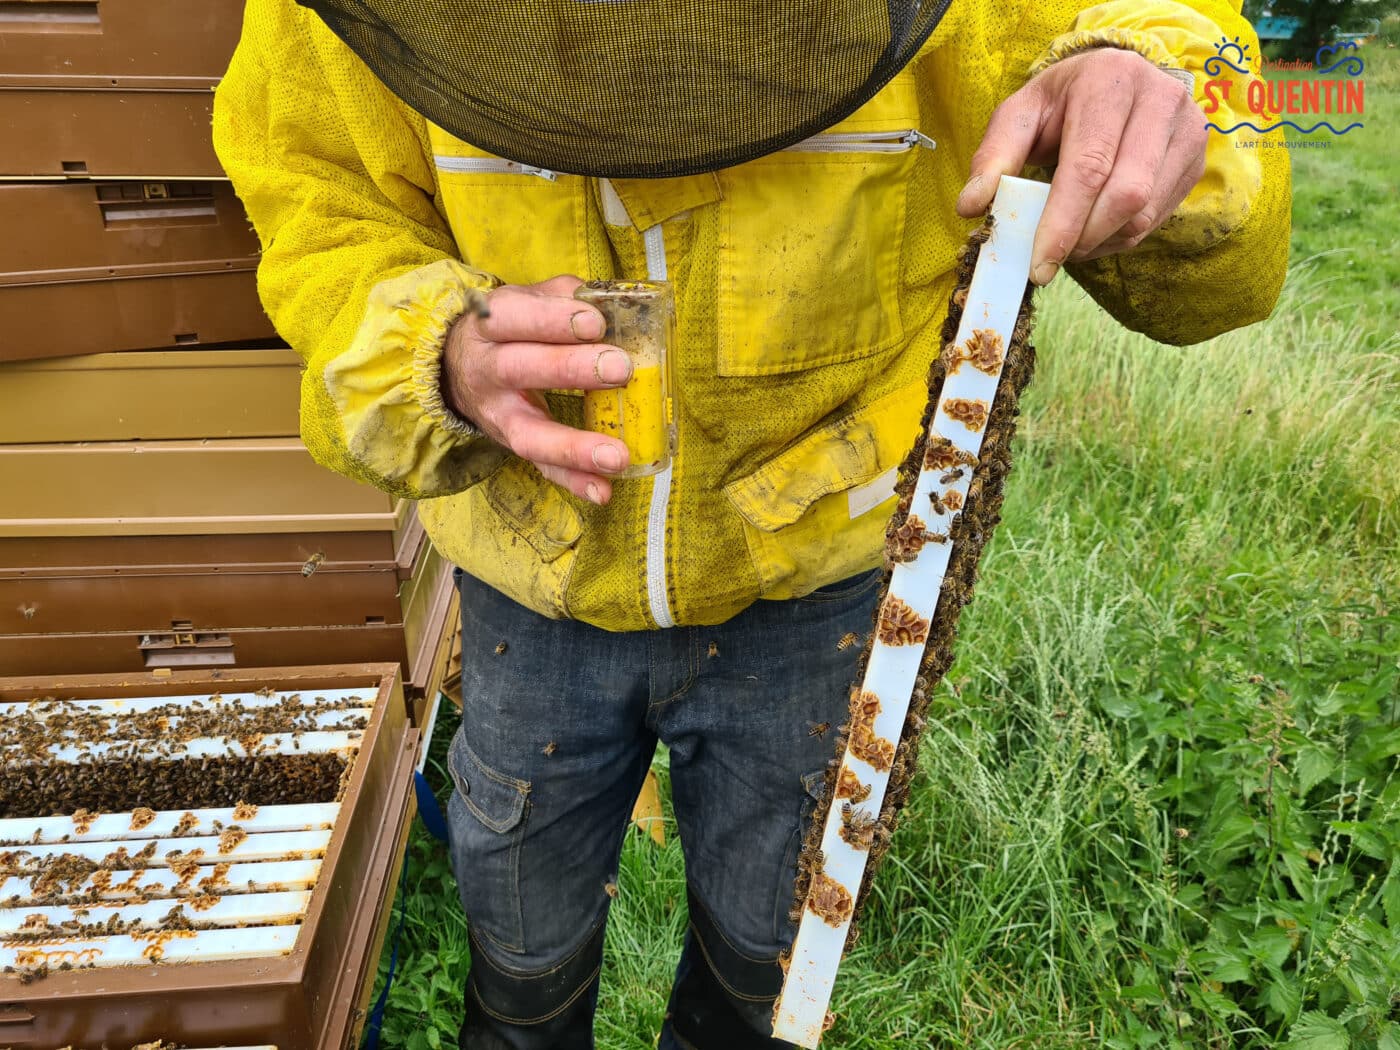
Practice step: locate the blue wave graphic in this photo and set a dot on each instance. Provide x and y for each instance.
(1287, 123)
(1354, 66)
(1353, 63)
(1214, 64)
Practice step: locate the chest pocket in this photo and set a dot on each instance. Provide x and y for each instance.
(520, 223)
(810, 241)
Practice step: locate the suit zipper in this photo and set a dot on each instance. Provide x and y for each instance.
(491, 165)
(864, 142)
(658, 510)
(655, 242)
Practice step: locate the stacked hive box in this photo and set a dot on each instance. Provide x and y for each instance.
(202, 859)
(156, 507)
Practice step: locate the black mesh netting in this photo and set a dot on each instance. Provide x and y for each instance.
(633, 88)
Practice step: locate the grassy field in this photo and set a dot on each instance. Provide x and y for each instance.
(1160, 804)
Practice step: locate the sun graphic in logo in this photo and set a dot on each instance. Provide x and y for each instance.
(1228, 53)
(1241, 50)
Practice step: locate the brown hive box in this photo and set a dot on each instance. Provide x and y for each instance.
(167, 394)
(211, 870)
(150, 488)
(87, 268)
(424, 619)
(120, 88)
(201, 595)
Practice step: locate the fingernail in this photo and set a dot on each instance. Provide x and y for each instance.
(594, 493)
(613, 366)
(607, 457)
(586, 325)
(1044, 273)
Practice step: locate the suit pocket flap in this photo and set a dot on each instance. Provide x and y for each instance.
(850, 450)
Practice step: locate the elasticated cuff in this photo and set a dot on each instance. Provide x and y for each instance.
(428, 343)
(1145, 44)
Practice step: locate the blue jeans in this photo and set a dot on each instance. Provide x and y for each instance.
(560, 721)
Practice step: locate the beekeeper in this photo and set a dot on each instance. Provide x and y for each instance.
(800, 173)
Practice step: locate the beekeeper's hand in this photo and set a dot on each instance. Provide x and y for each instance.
(537, 337)
(1127, 141)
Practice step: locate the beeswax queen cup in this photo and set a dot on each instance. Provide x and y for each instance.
(640, 318)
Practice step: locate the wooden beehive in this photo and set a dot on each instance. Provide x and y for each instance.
(205, 858)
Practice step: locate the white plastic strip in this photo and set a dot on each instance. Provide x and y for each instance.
(271, 877)
(655, 241)
(157, 946)
(346, 719)
(328, 698)
(425, 742)
(490, 166)
(864, 142)
(993, 303)
(232, 845)
(249, 909)
(118, 827)
(313, 743)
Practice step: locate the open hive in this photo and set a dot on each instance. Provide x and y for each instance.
(202, 858)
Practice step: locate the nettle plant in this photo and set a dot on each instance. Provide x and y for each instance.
(1270, 771)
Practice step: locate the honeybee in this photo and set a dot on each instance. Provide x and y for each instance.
(847, 640)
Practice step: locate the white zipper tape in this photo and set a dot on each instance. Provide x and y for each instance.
(864, 142)
(655, 241)
(489, 166)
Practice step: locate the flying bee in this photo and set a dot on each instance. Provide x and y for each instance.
(312, 563)
(847, 640)
(501, 648)
(549, 748)
(819, 730)
(713, 650)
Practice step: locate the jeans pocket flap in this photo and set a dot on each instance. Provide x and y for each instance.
(497, 800)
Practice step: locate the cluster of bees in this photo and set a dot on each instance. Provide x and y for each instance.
(62, 723)
(895, 622)
(125, 784)
(141, 773)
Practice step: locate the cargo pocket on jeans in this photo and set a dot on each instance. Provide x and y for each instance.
(783, 927)
(487, 818)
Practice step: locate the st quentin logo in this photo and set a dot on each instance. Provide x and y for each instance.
(1286, 98)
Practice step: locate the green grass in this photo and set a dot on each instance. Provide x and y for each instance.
(1160, 804)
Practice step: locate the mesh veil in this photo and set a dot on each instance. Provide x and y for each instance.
(633, 88)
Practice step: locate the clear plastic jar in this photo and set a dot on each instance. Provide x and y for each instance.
(641, 319)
